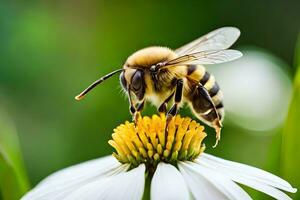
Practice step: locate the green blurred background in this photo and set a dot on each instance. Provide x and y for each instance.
(51, 50)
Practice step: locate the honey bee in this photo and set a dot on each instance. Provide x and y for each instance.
(161, 75)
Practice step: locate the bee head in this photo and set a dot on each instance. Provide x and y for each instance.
(133, 80)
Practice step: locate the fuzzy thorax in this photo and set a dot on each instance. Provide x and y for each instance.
(150, 141)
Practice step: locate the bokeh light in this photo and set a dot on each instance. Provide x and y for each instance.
(257, 90)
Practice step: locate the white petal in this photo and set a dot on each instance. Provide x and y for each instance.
(168, 183)
(245, 172)
(61, 183)
(207, 184)
(128, 185)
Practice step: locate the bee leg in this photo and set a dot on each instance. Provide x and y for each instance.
(178, 96)
(163, 107)
(217, 126)
(132, 108)
(217, 122)
(138, 111)
(135, 111)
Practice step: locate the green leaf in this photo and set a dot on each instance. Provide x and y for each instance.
(13, 179)
(290, 163)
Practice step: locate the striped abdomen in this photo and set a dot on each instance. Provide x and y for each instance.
(205, 95)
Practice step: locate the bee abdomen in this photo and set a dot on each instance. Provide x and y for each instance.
(205, 78)
(214, 90)
(220, 110)
(200, 106)
(217, 97)
(210, 84)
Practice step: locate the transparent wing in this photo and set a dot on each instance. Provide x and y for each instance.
(218, 39)
(206, 57)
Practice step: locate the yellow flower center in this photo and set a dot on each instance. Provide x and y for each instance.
(151, 141)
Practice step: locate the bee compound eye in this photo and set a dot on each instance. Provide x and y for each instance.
(123, 80)
(137, 80)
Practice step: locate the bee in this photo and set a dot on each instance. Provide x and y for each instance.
(160, 75)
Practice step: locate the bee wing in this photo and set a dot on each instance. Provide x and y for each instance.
(206, 57)
(218, 39)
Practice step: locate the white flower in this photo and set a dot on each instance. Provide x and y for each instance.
(208, 177)
(180, 171)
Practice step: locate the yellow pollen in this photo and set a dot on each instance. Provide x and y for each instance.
(151, 141)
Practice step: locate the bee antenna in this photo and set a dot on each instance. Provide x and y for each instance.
(97, 82)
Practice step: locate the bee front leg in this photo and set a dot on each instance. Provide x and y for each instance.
(163, 107)
(178, 97)
(138, 111)
(135, 110)
(132, 107)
